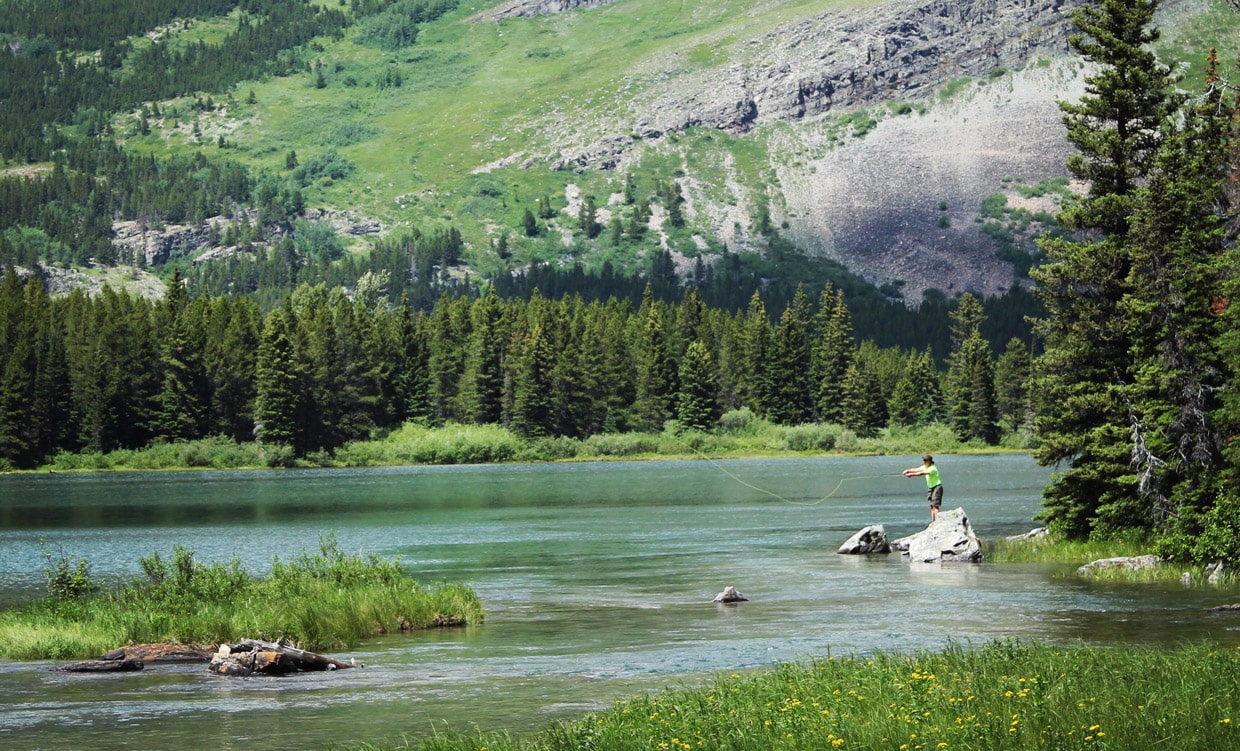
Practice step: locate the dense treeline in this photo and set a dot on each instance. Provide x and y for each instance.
(1137, 386)
(322, 368)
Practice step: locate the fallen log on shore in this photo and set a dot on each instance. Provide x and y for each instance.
(253, 656)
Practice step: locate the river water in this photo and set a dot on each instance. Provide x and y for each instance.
(597, 579)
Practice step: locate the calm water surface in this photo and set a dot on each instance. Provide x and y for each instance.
(597, 579)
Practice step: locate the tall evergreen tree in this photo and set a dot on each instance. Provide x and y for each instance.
(184, 397)
(532, 409)
(1081, 375)
(754, 358)
(413, 384)
(697, 404)
(916, 399)
(482, 387)
(1180, 234)
(791, 376)
(863, 410)
(279, 383)
(833, 354)
(970, 377)
(656, 370)
(1012, 396)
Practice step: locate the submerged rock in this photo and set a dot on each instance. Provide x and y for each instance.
(729, 594)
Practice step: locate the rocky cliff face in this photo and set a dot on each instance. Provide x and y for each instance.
(874, 203)
(855, 57)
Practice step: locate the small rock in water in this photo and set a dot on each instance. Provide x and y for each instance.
(729, 594)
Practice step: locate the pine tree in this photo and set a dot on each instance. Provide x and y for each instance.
(17, 366)
(413, 385)
(1180, 233)
(1081, 377)
(791, 376)
(184, 398)
(697, 404)
(483, 382)
(278, 382)
(656, 370)
(532, 410)
(754, 358)
(863, 410)
(970, 376)
(1012, 373)
(916, 400)
(833, 354)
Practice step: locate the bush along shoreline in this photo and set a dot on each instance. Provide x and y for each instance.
(318, 601)
(1002, 695)
(739, 434)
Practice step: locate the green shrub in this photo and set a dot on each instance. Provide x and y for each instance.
(549, 449)
(810, 437)
(621, 444)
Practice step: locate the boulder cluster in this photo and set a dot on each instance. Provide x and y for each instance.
(950, 537)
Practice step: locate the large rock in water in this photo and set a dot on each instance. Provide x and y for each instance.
(871, 539)
(950, 537)
(1131, 563)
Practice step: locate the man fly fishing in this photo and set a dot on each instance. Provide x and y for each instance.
(934, 488)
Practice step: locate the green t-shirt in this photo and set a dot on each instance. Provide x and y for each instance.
(932, 476)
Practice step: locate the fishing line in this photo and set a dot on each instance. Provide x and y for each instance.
(772, 493)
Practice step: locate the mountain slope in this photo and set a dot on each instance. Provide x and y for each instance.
(869, 132)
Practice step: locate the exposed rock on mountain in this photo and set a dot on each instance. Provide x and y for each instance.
(873, 201)
(532, 8)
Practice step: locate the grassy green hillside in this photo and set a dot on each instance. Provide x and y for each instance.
(476, 92)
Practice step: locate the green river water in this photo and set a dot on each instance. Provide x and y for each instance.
(597, 579)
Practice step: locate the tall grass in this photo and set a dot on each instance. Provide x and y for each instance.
(1056, 549)
(319, 601)
(1003, 695)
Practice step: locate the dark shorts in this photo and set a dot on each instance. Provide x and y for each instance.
(935, 495)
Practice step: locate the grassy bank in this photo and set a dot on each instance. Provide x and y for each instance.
(1000, 696)
(739, 434)
(317, 601)
(1055, 549)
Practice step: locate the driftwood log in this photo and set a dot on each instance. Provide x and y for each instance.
(252, 656)
(160, 653)
(101, 666)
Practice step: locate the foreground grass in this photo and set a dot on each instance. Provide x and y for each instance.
(739, 434)
(1001, 696)
(321, 601)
